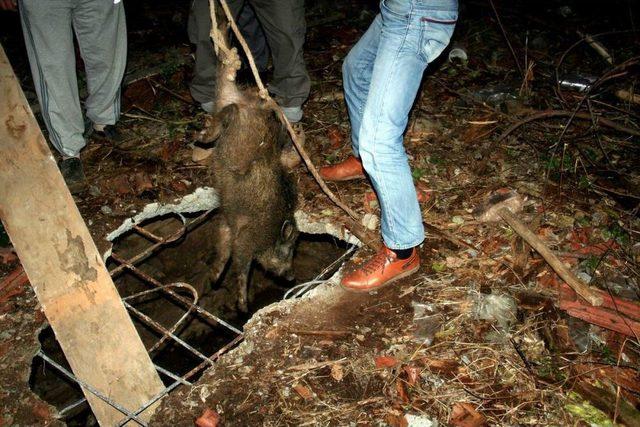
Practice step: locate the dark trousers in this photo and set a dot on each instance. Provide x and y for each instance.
(271, 27)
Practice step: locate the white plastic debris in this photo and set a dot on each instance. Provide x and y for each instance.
(427, 322)
(500, 308)
(458, 53)
(420, 421)
(370, 221)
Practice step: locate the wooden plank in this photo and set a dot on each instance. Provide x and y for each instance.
(64, 266)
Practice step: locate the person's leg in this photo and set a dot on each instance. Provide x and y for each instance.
(411, 35)
(356, 77)
(49, 40)
(102, 36)
(203, 84)
(204, 71)
(284, 25)
(254, 35)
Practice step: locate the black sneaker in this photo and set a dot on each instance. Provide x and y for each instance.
(73, 174)
(109, 133)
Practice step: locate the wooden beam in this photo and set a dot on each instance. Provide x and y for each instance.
(64, 267)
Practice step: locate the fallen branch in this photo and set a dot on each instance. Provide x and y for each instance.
(597, 46)
(506, 38)
(169, 91)
(534, 241)
(615, 313)
(608, 403)
(625, 95)
(563, 113)
(448, 236)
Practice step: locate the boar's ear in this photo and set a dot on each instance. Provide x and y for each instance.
(215, 124)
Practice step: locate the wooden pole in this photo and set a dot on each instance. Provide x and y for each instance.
(64, 266)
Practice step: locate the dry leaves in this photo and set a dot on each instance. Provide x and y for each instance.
(337, 373)
(401, 390)
(396, 419)
(412, 374)
(201, 155)
(304, 391)
(386, 362)
(7, 256)
(464, 414)
(209, 418)
(336, 137)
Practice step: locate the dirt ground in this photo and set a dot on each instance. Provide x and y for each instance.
(479, 335)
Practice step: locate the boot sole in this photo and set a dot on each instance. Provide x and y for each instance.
(384, 285)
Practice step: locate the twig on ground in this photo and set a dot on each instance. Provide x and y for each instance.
(504, 33)
(169, 91)
(626, 95)
(597, 46)
(564, 113)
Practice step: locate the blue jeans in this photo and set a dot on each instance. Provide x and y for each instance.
(381, 76)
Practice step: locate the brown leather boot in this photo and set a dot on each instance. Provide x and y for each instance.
(382, 269)
(349, 169)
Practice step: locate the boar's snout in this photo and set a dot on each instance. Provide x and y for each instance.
(290, 276)
(279, 265)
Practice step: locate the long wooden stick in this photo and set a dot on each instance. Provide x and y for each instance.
(64, 267)
(576, 284)
(354, 224)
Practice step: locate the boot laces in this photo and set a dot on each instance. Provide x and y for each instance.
(376, 263)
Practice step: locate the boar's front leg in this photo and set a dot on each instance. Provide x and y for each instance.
(223, 251)
(215, 125)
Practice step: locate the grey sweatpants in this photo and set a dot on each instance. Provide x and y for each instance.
(283, 25)
(100, 29)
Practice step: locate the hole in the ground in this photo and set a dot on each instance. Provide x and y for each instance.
(185, 260)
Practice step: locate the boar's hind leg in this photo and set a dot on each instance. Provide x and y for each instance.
(223, 251)
(243, 267)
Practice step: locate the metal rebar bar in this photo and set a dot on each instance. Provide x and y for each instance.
(215, 356)
(178, 297)
(177, 324)
(191, 308)
(73, 405)
(171, 238)
(91, 389)
(79, 402)
(150, 402)
(155, 325)
(172, 375)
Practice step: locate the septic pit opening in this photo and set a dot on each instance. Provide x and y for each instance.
(185, 260)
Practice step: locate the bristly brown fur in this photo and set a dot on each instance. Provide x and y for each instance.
(258, 196)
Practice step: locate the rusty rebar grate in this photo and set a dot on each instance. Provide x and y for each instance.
(190, 306)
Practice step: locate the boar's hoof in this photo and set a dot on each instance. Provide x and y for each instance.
(243, 306)
(290, 158)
